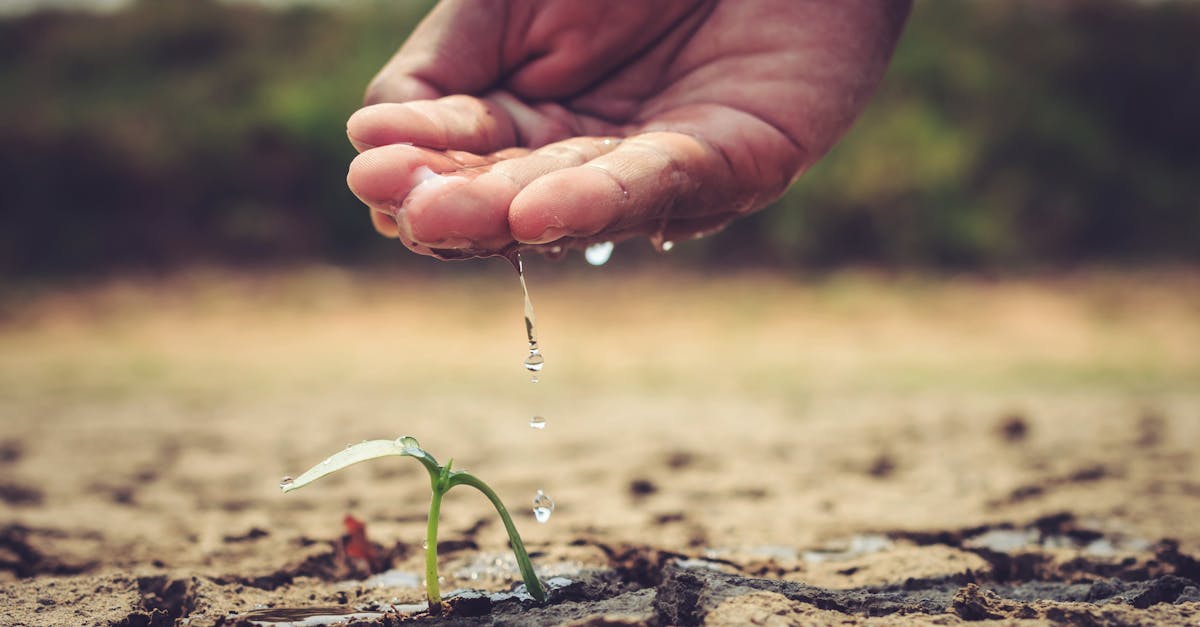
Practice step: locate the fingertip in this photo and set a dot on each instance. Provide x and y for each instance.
(385, 224)
(355, 127)
(381, 125)
(578, 202)
(455, 212)
(376, 176)
(359, 146)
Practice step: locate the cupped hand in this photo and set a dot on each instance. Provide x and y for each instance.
(557, 123)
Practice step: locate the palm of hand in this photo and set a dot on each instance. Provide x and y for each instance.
(574, 122)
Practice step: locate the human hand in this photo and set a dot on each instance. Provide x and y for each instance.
(559, 123)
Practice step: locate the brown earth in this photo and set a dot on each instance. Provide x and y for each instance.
(854, 449)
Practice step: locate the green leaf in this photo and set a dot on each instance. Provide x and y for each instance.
(532, 583)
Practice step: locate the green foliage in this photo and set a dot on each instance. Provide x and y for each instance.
(177, 131)
(1006, 134)
(1010, 134)
(441, 480)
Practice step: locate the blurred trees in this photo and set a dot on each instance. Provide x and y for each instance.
(1007, 134)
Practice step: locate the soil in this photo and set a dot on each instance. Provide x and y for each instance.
(749, 450)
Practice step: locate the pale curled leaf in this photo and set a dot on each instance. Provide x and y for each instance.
(361, 452)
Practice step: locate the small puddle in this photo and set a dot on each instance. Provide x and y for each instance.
(394, 578)
(856, 546)
(834, 551)
(519, 593)
(316, 616)
(1089, 543)
(493, 569)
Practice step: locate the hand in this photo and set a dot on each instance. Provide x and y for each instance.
(557, 123)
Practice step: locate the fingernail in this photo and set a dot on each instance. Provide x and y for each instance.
(358, 144)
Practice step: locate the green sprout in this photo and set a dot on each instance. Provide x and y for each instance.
(441, 479)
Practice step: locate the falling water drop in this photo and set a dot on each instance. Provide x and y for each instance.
(537, 422)
(597, 254)
(534, 361)
(286, 482)
(543, 506)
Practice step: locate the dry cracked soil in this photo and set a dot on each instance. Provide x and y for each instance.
(728, 451)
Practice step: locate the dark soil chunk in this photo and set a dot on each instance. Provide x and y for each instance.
(19, 495)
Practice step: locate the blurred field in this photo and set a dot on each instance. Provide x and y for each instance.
(762, 335)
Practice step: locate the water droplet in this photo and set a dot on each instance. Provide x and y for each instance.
(286, 482)
(534, 361)
(543, 506)
(407, 441)
(667, 245)
(537, 422)
(424, 544)
(659, 241)
(598, 254)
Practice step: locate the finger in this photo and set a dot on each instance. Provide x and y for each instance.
(646, 179)
(385, 179)
(432, 201)
(455, 122)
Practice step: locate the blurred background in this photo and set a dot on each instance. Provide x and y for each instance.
(148, 135)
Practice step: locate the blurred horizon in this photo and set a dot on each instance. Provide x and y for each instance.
(1012, 137)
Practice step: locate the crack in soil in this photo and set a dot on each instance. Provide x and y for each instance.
(641, 584)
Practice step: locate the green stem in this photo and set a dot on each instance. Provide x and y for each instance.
(532, 583)
(432, 593)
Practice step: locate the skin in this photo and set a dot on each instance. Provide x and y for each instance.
(561, 122)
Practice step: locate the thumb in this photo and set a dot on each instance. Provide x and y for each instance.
(452, 51)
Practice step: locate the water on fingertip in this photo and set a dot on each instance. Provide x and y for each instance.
(598, 254)
(543, 506)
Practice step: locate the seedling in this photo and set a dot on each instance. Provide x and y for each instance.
(441, 479)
